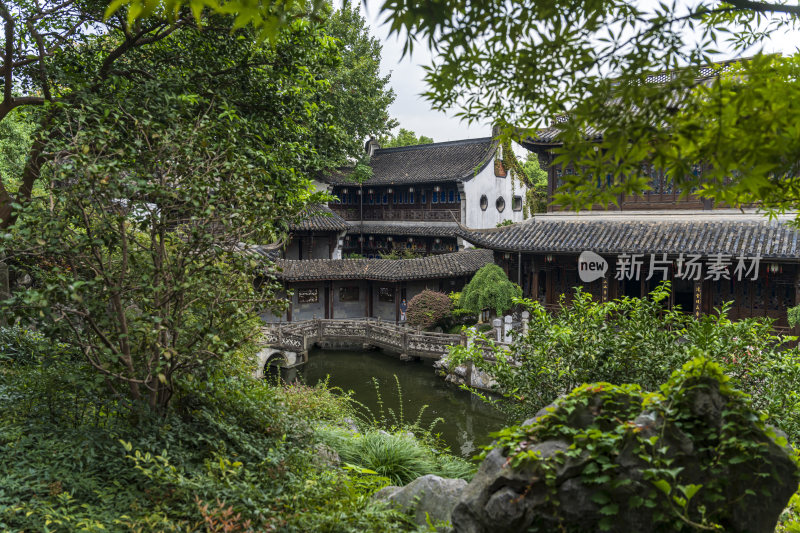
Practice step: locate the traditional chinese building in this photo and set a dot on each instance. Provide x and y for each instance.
(316, 233)
(357, 288)
(417, 196)
(710, 257)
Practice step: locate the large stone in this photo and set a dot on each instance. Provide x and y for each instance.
(753, 492)
(427, 496)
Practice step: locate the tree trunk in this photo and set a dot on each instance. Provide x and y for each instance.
(5, 290)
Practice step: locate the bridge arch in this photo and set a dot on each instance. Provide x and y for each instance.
(274, 357)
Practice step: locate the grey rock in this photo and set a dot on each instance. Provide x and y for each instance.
(502, 499)
(429, 495)
(351, 425)
(326, 456)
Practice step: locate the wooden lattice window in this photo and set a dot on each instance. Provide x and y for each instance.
(348, 294)
(308, 296)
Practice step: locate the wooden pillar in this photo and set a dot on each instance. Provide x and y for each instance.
(368, 299)
(796, 329)
(604, 292)
(396, 303)
(698, 299)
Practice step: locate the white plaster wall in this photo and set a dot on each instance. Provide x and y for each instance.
(493, 187)
(350, 309)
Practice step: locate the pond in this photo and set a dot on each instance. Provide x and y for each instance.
(467, 420)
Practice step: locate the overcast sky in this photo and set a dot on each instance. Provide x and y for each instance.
(415, 114)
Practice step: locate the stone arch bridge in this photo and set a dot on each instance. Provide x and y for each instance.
(287, 344)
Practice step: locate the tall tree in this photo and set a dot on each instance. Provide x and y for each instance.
(404, 137)
(625, 84)
(359, 96)
(164, 179)
(53, 51)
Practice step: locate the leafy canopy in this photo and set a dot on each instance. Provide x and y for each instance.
(489, 288)
(62, 51)
(597, 65)
(162, 178)
(404, 137)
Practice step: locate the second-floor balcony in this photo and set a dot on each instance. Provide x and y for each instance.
(448, 213)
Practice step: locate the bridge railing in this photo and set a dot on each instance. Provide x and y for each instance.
(300, 336)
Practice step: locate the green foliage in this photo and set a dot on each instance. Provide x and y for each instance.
(506, 222)
(455, 297)
(24, 346)
(793, 315)
(596, 70)
(400, 457)
(16, 137)
(668, 489)
(536, 196)
(404, 137)
(401, 254)
(317, 84)
(428, 309)
(790, 519)
(359, 97)
(138, 260)
(635, 340)
(233, 450)
(391, 445)
(489, 288)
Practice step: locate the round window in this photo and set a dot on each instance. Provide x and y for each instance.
(500, 204)
(484, 203)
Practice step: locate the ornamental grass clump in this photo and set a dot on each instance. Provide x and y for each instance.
(428, 308)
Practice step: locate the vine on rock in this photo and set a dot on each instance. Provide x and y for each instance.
(694, 456)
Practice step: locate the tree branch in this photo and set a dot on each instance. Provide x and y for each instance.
(765, 7)
(8, 68)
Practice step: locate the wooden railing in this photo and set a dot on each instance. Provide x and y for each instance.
(300, 336)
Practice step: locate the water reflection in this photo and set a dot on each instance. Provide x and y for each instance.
(467, 420)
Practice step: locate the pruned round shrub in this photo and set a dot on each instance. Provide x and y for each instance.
(428, 308)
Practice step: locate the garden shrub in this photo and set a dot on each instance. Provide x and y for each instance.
(793, 315)
(232, 450)
(24, 346)
(635, 340)
(489, 288)
(428, 308)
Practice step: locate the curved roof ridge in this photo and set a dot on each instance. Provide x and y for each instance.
(768, 238)
(462, 263)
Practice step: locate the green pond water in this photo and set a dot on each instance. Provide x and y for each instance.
(467, 420)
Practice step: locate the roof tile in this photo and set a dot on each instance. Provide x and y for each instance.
(425, 163)
(770, 239)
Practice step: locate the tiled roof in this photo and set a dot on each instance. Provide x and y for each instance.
(450, 265)
(422, 230)
(318, 217)
(425, 163)
(731, 237)
(705, 75)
